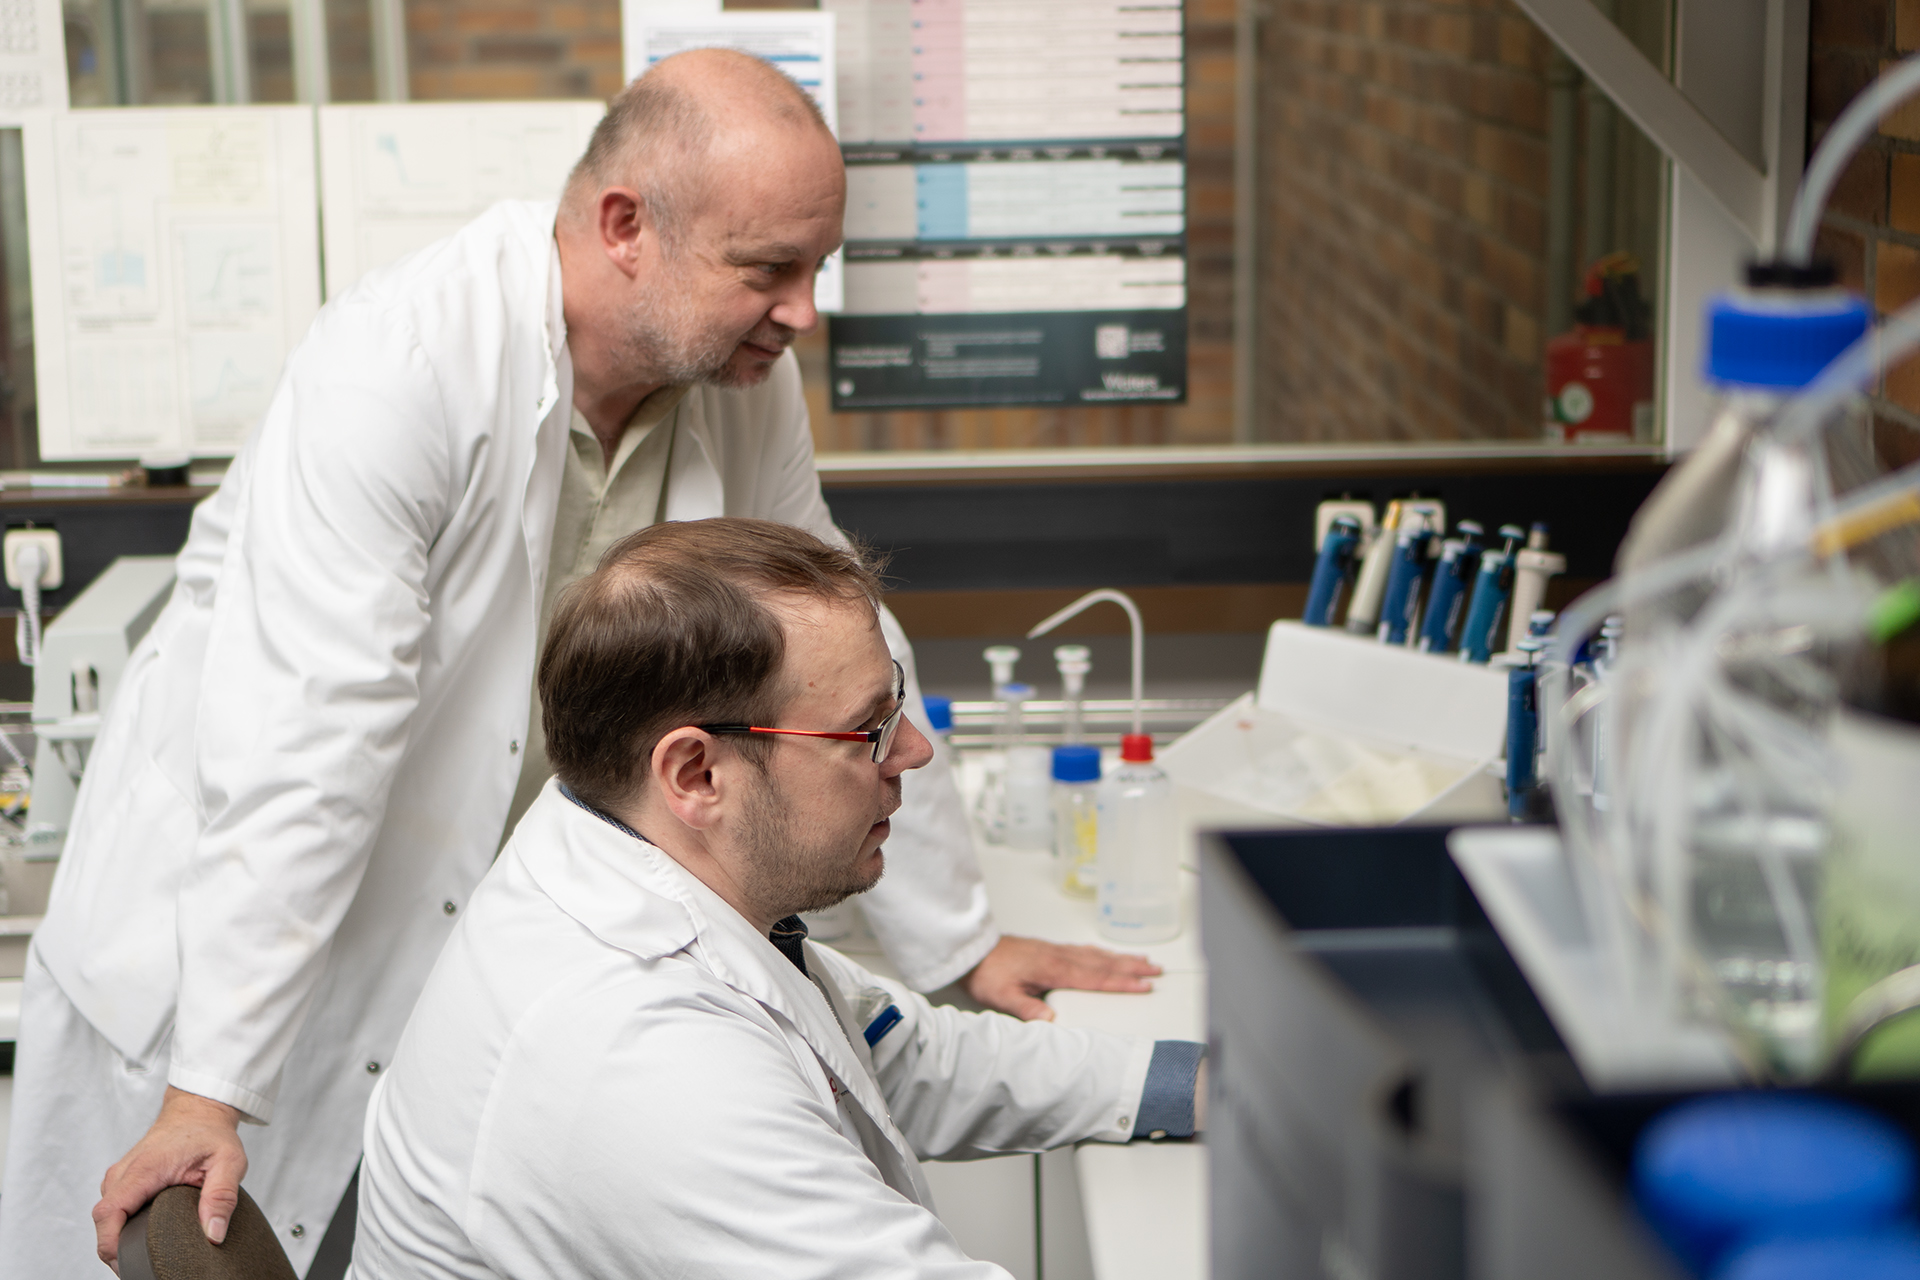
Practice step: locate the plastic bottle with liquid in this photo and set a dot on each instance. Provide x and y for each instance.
(1139, 842)
(1076, 819)
(1030, 797)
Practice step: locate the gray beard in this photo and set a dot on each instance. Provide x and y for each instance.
(666, 345)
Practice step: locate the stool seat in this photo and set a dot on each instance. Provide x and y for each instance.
(164, 1242)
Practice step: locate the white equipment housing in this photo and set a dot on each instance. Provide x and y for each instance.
(82, 656)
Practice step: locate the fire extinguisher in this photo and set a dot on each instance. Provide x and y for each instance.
(1600, 372)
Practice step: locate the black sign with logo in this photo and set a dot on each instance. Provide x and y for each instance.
(1019, 358)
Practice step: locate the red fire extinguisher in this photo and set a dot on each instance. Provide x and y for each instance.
(1600, 372)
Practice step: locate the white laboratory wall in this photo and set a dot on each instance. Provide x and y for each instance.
(1743, 64)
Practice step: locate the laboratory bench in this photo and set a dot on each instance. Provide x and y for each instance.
(1101, 1211)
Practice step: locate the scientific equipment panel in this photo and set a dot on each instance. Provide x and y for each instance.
(1016, 204)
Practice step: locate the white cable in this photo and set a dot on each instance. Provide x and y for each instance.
(1856, 124)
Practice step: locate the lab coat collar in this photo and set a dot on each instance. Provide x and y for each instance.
(631, 895)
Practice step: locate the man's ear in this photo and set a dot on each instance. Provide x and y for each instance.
(681, 770)
(626, 233)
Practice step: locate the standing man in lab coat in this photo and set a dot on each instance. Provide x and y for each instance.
(629, 1061)
(324, 738)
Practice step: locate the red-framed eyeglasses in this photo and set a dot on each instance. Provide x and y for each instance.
(881, 738)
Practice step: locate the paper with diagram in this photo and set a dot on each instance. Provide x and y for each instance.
(175, 259)
(396, 177)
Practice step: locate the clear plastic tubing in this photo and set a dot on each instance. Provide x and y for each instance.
(1856, 124)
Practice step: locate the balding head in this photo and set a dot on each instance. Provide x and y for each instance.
(660, 131)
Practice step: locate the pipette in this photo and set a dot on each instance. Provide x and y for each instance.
(1459, 556)
(1532, 566)
(1401, 603)
(1331, 570)
(1363, 611)
(1490, 587)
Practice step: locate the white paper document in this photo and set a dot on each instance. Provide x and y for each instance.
(33, 56)
(175, 260)
(395, 177)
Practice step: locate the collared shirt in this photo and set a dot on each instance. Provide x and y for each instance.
(599, 505)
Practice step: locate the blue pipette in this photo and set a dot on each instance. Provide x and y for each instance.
(1490, 587)
(1331, 571)
(1523, 727)
(1401, 603)
(1459, 556)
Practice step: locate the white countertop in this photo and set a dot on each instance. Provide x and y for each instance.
(1145, 1202)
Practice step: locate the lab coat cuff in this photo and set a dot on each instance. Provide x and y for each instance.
(1166, 1102)
(254, 1107)
(957, 965)
(1124, 1110)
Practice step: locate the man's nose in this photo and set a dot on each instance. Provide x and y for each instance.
(910, 750)
(794, 309)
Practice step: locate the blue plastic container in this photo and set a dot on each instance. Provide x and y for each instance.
(1734, 1170)
(1881, 1255)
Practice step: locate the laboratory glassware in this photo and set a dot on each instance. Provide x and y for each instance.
(1076, 819)
(1074, 662)
(1138, 898)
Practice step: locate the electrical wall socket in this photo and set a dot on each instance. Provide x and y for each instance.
(1325, 514)
(50, 577)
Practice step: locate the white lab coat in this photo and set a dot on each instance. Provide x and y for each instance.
(610, 1073)
(308, 764)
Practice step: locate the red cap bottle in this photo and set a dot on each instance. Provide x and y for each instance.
(1136, 748)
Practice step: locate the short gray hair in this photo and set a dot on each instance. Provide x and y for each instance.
(659, 122)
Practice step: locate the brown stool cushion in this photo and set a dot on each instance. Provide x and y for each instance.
(164, 1242)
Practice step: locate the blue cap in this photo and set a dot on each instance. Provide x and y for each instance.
(1076, 763)
(939, 712)
(1720, 1172)
(1779, 343)
(1881, 1255)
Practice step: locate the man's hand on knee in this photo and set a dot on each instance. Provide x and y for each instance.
(1018, 971)
(195, 1143)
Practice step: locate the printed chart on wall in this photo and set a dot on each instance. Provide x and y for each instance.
(395, 178)
(175, 258)
(1016, 196)
(799, 43)
(33, 55)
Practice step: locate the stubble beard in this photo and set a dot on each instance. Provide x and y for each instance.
(668, 344)
(797, 873)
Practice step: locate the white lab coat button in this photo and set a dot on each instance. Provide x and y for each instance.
(373, 1068)
(513, 748)
(1124, 1123)
(448, 907)
(297, 1231)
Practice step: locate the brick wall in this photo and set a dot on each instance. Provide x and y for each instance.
(468, 49)
(1404, 220)
(1872, 223)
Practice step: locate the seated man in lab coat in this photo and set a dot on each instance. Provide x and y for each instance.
(628, 1060)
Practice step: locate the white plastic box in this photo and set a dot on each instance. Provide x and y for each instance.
(1345, 731)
